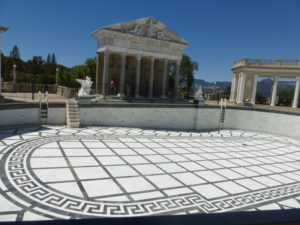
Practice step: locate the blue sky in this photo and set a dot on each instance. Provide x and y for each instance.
(220, 32)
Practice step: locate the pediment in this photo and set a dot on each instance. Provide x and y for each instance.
(146, 27)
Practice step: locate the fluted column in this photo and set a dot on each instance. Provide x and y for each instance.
(296, 95)
(238, 87)
(105, 73)
(176, 80)
(274, 92)
(164, 79)
(151, 78)
(122, 75)
(137, 76)
(253, 98)
(233, 87)
(241, 88)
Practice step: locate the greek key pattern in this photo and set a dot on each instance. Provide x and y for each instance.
(20, 178)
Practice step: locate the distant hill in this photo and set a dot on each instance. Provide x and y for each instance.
(264, 86)
(209, 86)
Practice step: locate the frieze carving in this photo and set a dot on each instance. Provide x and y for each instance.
(146, 27)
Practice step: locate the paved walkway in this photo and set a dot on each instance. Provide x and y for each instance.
(61, 173)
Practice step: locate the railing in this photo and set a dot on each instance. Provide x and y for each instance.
(32, 92)
(277, 62)
(67, 92)
(27, 87)
(70, 92)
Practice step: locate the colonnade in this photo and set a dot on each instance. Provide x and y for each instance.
(238, 89)
(138, 75)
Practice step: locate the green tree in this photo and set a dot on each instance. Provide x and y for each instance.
(35, 65)
(48, 61)
(286, 97)
(260, 99)
(53, 58)
(227, 90)
(68, 77)
(15, 54)
(187, 70)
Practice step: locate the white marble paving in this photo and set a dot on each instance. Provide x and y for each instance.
(126, 166)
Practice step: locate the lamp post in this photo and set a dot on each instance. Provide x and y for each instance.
(2, 30)
(56, 76)
(14, 73)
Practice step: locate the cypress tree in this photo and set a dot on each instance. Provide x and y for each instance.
(15, 54)
(53, 59)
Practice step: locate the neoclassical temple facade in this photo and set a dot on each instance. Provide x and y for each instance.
(137, 55)
(247, 71)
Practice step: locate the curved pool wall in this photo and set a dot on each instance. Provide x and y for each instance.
(157, 116)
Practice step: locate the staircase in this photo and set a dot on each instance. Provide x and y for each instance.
(72, 113)
(43, 101)
(222, 113)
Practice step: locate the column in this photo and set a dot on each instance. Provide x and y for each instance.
(176, 80)
(105, 73)
(164, 79)
(274, 92)
(238, 87)
(296, 95)
(137, 76)
(122, 75)
(253, 98)
(151, 77)
(98, 73)
(233, 87)
(241, 88)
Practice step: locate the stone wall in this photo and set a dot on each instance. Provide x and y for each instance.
(152, 116)
(19, 116)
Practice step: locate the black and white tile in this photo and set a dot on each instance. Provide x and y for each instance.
(61, 173)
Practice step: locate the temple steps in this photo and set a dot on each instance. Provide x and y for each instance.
(73, 119)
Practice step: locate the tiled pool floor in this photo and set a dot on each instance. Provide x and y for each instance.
(62, 173)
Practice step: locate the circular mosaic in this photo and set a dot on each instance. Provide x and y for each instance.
(134, 175)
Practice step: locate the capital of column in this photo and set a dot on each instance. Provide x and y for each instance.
(123, 54)
(106, 52)
(138, 57)
(152, 58)
(298, 78)
(178, 62)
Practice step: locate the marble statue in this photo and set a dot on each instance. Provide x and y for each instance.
(198, 99)
(85, 86)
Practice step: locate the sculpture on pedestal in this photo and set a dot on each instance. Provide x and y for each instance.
(198, 99)
(85, 86)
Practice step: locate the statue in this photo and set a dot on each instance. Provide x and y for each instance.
(198, 99)
(161, 35)
(85, 86)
